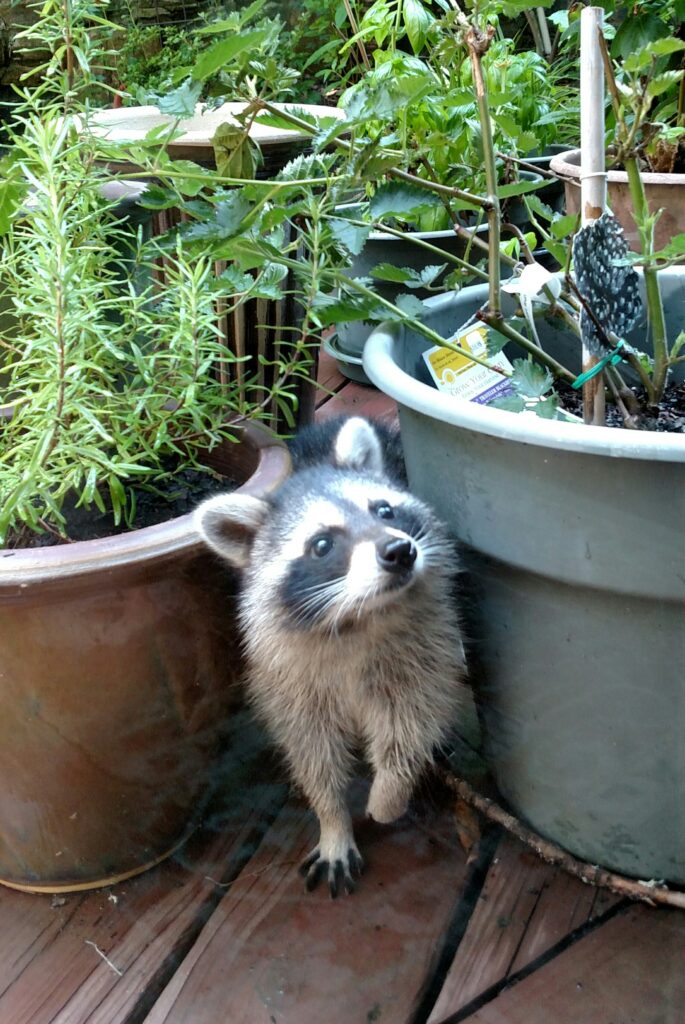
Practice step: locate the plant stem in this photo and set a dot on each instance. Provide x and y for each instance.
(499, 324)
(478, 44)
(645, 227)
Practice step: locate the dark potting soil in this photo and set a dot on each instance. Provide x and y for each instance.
(669, 417)
(174, 496)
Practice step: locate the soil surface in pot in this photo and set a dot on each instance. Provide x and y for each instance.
(174, 496)
(670, 417)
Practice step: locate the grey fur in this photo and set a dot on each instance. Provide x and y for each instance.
(373, 660)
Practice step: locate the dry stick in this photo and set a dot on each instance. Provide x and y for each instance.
(591, 874)
(592, 172)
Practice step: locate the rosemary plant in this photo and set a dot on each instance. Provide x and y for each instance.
(105, 377)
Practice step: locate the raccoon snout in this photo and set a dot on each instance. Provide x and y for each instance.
(396, 555)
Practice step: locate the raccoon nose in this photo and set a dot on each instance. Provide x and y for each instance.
(396, 555)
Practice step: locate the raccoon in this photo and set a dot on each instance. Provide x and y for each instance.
(350, 632)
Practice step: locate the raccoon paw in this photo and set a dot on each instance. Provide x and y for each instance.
(339, 871)
(389, 797)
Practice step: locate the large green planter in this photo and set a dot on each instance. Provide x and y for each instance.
(575, 535)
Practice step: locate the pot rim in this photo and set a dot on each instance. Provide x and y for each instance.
(567, 165)
(24, 566)
(383, 370)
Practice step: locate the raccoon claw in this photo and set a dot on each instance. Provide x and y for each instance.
(338, 872)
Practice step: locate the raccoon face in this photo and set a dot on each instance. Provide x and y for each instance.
(356, 546)
(332, 546)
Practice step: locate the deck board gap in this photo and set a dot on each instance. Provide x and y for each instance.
(466, 904)
(166, 970)
(508, 982)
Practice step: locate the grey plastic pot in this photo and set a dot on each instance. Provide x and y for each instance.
(575, 536)
(400, 252)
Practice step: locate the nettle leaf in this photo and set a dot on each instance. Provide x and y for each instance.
(674, 249)
(228, 216)
(180, 102)
(661, 83)
(431, 273)
(156, 198)
(352, 236)
(509, 403)
(396, 199)
(400, 275)
(409, 304)
(547, 408)
(529, 379)
(332, 309)
(191, 186)
(213, 59)
(267, 284)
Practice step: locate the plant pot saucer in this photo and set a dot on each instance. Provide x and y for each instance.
(349, 364)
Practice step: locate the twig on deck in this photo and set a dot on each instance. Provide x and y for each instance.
(651, 892)
(104, 957)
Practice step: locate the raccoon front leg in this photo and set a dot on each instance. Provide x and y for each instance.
(321, 765)
(399, 748)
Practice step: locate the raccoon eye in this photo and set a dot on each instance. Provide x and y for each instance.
(321, 545)
(382, 509)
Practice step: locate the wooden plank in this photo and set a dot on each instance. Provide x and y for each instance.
(272, 953)
(52, 951)
(358, 399)
(630, 969)
(525, 908)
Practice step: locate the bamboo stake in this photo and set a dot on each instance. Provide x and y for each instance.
(592, 169)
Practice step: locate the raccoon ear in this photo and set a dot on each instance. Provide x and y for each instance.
(228, 524)
(357, 446)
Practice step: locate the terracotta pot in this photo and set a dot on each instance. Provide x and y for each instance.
(664, 192)
(116, 663)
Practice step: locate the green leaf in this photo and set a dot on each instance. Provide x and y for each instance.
(331, 309)
(352, 236)
(11, 195)
(564, 225)
(409, 305)
(636, 32)
(529, 379)
(547, 408)
(510, 403)
(235, 153)
(400, 275)
(180, 102)
(228, 216)
(661, 83)
(396, 199)
(417, 22)
(519, 188)
(213, 59)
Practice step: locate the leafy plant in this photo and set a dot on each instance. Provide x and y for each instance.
(105, 376)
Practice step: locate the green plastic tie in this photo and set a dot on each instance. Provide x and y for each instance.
(614, 357)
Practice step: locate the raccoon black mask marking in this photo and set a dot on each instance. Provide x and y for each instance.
(349, 627)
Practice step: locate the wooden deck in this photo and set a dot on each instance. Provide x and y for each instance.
(223, 933)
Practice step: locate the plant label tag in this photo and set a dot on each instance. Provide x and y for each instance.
(461, 377)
